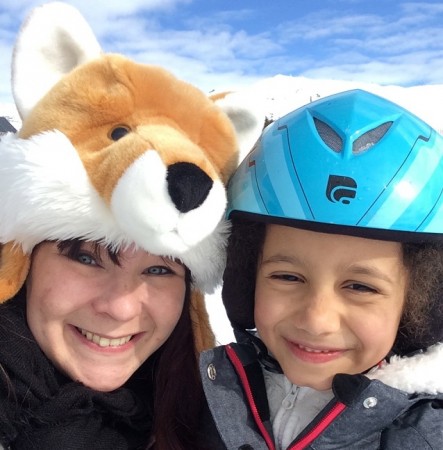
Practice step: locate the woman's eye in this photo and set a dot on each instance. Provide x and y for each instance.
(158, 270)
(86, 259)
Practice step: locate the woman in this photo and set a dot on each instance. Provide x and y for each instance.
(113, 191)
(98, 352)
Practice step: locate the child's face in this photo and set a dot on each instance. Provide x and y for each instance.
(327, 304)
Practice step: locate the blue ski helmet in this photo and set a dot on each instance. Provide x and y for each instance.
(352, 163)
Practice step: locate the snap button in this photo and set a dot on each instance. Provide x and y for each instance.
(289, 400)
(212, 373)
(370, 402)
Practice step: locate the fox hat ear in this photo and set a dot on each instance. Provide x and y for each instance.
(247, 116)
(54, 39)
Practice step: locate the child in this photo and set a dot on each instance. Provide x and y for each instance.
(336, 259)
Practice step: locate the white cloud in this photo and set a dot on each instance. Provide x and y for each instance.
(404, 46)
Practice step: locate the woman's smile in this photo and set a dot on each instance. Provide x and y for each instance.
(103, 341)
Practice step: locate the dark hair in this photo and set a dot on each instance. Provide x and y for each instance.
(420, 325)
(178, 393)
(238, 291)
(178, 396)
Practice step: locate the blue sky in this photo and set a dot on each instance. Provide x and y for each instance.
(220, 44)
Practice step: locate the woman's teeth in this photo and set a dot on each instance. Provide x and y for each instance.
(102, 341)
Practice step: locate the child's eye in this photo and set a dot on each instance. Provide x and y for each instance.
(286, 277)
(361, 287)
(158, 270)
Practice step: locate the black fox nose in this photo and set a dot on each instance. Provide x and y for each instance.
(188, 185)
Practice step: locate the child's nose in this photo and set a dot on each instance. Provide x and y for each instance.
(123, 301)
(320, 314)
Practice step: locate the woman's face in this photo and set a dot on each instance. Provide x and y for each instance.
(327, 304)
(99, 321)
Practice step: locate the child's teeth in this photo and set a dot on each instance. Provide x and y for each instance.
(311, 350)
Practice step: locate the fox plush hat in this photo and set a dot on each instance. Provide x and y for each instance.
(116, 152)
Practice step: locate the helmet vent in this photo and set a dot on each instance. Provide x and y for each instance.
(370, 138)
(328, 135)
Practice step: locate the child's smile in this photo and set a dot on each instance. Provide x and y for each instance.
(314, 355)
(327, 304)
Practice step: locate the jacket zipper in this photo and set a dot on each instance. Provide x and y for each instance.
(244, 380)
(332, 414)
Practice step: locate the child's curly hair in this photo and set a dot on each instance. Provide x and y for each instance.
(420, 325)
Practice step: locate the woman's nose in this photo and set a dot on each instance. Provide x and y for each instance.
(320, 313)
(122, 300)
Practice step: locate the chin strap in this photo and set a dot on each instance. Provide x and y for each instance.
(265, 359)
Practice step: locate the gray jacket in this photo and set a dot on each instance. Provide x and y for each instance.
(398, 405)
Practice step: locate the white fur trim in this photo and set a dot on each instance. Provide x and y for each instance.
(141, 205)
(53, 40)
(46, 195)
(421, 373)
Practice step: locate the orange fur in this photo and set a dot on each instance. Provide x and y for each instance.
(14, 266)
(163, 113)
(203, 336)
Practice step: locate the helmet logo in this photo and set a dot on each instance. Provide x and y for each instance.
(341, 189)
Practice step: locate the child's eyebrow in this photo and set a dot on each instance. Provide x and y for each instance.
(371, 271)
(357, 269)
(281, 258)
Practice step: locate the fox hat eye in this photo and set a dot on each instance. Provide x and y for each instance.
(118, 132)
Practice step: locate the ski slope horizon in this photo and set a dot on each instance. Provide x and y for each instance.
(280, 94)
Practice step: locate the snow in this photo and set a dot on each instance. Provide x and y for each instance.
(281, 94)
(277, 96)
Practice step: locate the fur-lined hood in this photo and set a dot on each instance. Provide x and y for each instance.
(416, 374)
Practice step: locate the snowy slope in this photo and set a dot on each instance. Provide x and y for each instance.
(10, 112)
(282, 94)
